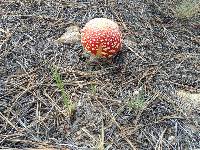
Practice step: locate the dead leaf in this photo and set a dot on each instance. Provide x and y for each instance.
(72, 35)
(189, 101)
(188, 96)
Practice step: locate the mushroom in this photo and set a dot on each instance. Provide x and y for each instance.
(101, 37)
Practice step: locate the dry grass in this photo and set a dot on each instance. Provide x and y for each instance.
(160, 55)
(187, 8)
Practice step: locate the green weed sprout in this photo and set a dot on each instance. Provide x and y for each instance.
(93, 89)
(137, 102)
(59, 83)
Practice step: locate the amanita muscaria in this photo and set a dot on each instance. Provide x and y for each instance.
(101, 37)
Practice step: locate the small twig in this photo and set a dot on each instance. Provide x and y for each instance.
(8, 121)
(134, 52)
(159, 143)
(120, 128)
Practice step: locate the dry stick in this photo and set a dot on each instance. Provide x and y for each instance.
(20, 95)
(5, 52)
(136, 126)
(8, 121)
(51, 101)
(169, 100)
(32, 149)
(159, 143)
(27, 129)
(148, 138)
(140, 112)
(38, 117)
(91, 136)
(130, 132)
(102, 98)
(102, 140)
(54, 104)
(40, 145)
(35, 16)
(25, 89)
(135, 52)
(84, 73)
(78, 72)
(117, 124)
(185, 87)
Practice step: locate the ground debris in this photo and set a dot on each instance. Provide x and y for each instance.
(146, 97)
(72, 35)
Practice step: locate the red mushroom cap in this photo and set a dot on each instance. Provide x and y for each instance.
(101, 37)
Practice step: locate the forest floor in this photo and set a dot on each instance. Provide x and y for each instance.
(146, 98)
